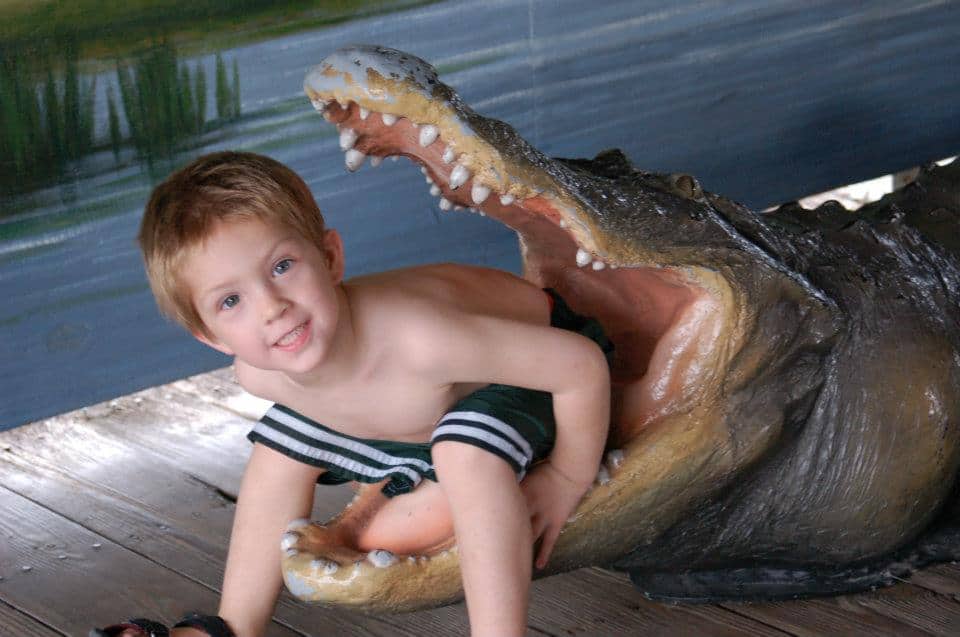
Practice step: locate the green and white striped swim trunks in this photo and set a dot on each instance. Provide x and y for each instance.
(513, 423)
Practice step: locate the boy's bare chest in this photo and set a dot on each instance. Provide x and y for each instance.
(390, 409)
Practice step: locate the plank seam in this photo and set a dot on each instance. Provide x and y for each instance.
(26, 613)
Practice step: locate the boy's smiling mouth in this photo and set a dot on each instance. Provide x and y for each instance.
(295, 338)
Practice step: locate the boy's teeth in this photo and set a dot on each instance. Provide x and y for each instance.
(290, 336)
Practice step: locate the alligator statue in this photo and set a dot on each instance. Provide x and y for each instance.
(786, 385)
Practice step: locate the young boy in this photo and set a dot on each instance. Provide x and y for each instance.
(237, 252)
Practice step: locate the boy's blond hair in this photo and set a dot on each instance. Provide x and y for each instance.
(184, 210)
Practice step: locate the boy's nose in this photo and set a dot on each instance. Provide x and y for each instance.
(273, 308)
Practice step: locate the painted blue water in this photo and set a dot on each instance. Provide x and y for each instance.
(763, 101)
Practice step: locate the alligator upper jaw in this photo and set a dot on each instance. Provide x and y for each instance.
(665, 322)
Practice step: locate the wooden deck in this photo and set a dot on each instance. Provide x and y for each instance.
(124, 508)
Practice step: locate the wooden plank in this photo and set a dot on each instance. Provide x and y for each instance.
(597, 602)
(73, 579)
(942, 578)
(154, 509)
(835, 615)
(932, 612)
(13, 623)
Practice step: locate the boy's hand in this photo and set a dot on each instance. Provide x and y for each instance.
(551, 499)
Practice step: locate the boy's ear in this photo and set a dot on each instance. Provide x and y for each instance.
(333, 251)
(215, 344)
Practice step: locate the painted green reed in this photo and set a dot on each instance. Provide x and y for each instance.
(47, 111)
(46, 119)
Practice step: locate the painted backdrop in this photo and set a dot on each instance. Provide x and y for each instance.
(763, 100)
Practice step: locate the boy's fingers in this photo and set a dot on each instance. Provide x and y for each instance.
(546, 546)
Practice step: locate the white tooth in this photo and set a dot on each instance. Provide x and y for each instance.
(381, 558)
(583, 257)
(458, 207)
(615, 458)
(429, 181)
(376, 161)
(428, 135)
(415, 125)
(299, 523)
(613, 266)
(394, 157)
(388, 119)
(364, 113)
(506, 200)
(423, 169)
(291, 552)
(411, 559)
(328, 567)
(603, 476)
(482, 213)
(348, 137)
(445, 204)
(479, 193)
(563, 224)
(354, 159)
(472, 209)
(327, 116)
(599, 265)
(459, 176)
(435, 191)
(448, 155)
(289, 540)
(343, 105)
(319, 104)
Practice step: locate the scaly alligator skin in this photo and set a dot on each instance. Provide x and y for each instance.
(786, 385)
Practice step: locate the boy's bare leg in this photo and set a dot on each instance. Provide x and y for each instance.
(493, 532)
(275, 490)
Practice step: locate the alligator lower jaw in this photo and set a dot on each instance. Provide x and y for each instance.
(665, 323)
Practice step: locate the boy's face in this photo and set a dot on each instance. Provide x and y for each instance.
(266, 294)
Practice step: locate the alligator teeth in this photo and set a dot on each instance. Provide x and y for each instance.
(459, 176)
(448, 155)
(328, 567)
(429, 181)
(435, 190)
(319, 105)
(583, 257)
(354, 159)
(299, 523)
(615, 457)
(563, 224)
(394, 157)
(428, 135)
(479, 193)
(603, 476)
(376, 160)
(456, 207)
(289, 540)
(348, 137)
(381, 558)
(445, 204)
(364, 113)
(388, 119)
(599, 265)
(506, 200)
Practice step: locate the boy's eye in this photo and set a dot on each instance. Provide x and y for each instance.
(282, 266)
(230, 302)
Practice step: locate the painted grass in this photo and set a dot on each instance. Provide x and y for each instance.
(109, 29)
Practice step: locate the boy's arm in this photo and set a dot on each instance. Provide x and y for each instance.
(275, 490)
(471, 348)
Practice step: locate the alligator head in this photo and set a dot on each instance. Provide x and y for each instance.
(756, 415)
